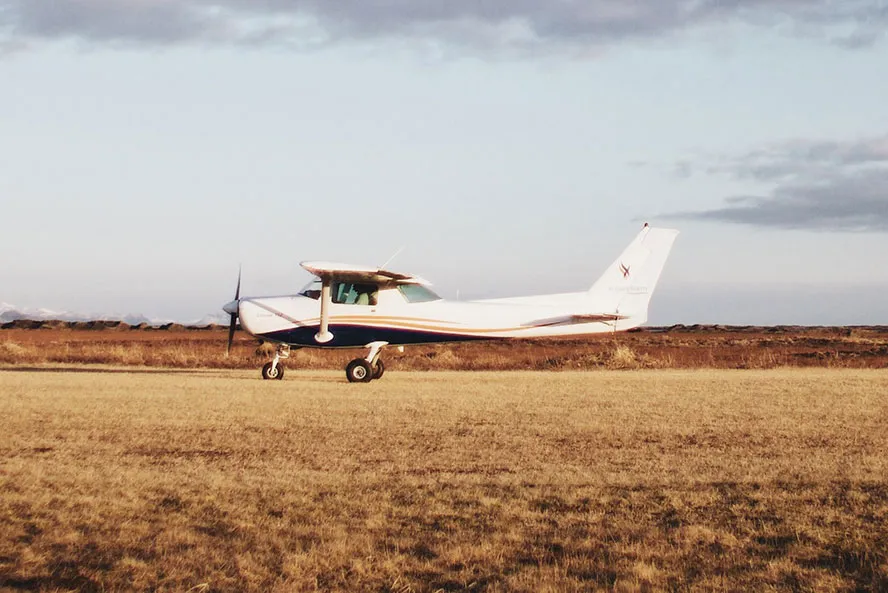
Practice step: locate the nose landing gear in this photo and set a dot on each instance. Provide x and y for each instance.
(274, 369)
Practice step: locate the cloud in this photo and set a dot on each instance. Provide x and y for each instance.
(520, 26)
(847, 203)
(818, 185)
(802, 158)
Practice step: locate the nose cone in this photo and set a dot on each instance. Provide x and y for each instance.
(231, 308)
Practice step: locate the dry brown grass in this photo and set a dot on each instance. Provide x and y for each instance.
(132, 479)
(743, 348)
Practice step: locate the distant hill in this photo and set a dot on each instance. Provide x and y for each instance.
(10, 313)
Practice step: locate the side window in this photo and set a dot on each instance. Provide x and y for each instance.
(341, 291)
(349, 293)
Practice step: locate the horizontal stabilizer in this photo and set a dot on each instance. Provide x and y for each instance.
(576, 319)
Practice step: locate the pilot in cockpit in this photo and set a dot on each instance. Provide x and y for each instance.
(366, 294)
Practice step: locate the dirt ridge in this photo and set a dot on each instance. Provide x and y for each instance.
(677, 346)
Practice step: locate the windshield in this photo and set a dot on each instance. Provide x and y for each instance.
(417, 293)
(312, 290)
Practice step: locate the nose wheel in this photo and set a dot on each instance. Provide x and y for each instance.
(275, 369)
(272, 371)
(364, 370)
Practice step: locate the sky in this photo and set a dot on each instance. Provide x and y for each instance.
(148, 148)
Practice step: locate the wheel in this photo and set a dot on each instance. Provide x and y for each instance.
(379, 369)
(359, 371)
(273, 373)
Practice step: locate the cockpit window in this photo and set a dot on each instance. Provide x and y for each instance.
(348, 293)
(417, 293)
(344, 293)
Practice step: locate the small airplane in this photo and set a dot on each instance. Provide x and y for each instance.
(349, 306)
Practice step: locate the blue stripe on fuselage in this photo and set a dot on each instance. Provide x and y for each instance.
(351, 336)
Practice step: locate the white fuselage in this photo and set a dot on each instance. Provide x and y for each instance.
(295, 320)
(350, 306)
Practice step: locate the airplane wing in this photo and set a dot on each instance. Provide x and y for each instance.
(330, 272)
(352, 273)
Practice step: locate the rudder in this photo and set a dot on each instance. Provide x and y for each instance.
(627, 284)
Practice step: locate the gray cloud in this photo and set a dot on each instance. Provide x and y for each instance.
(491, 25)
(856, 202)
(821, 185)
(802, 158)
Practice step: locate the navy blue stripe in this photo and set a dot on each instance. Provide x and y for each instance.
(351, 336)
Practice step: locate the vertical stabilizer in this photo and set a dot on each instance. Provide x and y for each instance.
(627, 284)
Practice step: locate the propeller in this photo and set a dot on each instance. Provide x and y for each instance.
(231, 309)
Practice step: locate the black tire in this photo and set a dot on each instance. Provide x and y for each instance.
(379, 369)
(359, 371)
(277, 373)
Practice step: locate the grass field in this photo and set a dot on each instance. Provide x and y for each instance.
(213, 480)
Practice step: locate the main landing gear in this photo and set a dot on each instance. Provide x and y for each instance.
(364, 370)
(274, 369)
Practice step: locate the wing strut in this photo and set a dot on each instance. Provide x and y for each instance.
(323, 336)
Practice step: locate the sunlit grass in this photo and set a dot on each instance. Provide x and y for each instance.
(639, 480)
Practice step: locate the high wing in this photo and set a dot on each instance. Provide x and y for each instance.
(340, 272)
(330, 272)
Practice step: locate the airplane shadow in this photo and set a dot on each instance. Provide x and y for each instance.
(223, 373)
(152, 371)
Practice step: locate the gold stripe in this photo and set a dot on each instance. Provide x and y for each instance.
(397, 323)
(425, 324)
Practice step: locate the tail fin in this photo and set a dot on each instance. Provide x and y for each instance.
(627, 285)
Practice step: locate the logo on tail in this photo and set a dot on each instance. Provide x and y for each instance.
(624, 269)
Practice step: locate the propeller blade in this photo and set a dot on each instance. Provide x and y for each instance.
(231, 329)
(233, 325)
